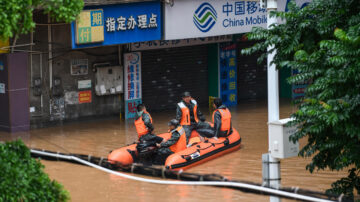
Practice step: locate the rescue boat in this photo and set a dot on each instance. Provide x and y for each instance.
(198, 153)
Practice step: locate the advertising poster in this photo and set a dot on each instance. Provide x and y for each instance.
(130, 108)
(132, 75)
(85, 96)
(228, 73)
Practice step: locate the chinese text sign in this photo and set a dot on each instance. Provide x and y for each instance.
(130, 108)
(228, 73)
(122, 23)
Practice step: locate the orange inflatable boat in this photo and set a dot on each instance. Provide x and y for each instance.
(196, 154)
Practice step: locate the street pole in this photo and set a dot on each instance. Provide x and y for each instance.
(273, 102)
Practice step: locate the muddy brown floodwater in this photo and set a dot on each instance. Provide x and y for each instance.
(99, 137)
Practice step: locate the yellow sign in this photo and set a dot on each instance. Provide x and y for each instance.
(4, 44)
(231, 73)
(232, 62)
(90, 27)
(232, 85)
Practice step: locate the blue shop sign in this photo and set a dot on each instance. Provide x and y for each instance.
(119, 24)
(228, 73)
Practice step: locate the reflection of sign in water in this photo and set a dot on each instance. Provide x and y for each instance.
(90, 27)
(132, 76)
(79, 67)
(2, 88)
(85, 96)
(228, 74)
(130, 108)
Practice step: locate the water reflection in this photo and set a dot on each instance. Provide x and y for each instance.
(99, 137)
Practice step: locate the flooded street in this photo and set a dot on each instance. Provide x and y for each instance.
(99, 137)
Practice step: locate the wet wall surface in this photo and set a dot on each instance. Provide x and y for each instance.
(99, 137)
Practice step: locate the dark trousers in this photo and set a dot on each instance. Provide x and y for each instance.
(200, 127)
(210, 132)
(161, 156)
(150, 137)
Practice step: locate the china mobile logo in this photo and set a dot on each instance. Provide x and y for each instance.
(205, 17)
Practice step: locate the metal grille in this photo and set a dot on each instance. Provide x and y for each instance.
(252, 79)
(166, 73)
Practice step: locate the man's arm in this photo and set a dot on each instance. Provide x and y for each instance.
(174, 138)
(217, 123)
(147, 122)
(178, 113)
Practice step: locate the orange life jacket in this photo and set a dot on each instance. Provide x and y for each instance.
(140, 126)
(225, 120)
(181, 143)
(185, 113)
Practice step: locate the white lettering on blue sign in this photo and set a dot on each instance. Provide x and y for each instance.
(121, 23)
(110, 24)
(152, 23)
(142, 21)
(131, 23)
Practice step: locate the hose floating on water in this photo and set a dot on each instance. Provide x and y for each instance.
(190, 178)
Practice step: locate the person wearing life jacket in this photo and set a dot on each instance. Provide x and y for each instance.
(222, 122)
(146, 147)
(176, 143)
(143, 124)
(221, 119)
(189, 116)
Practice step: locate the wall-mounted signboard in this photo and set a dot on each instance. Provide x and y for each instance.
(79, 67)
(203, 18)
(148, 45)
(228, 73)
(117, 24)
(90, 26)
(133, 89)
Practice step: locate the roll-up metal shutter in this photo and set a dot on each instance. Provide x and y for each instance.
(252, 77)
(167, 73)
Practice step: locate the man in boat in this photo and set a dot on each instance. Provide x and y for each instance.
(144, 126)
(222, 121)
(176, 143)
(189, 116)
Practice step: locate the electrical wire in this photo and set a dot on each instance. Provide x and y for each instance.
(261, 189)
